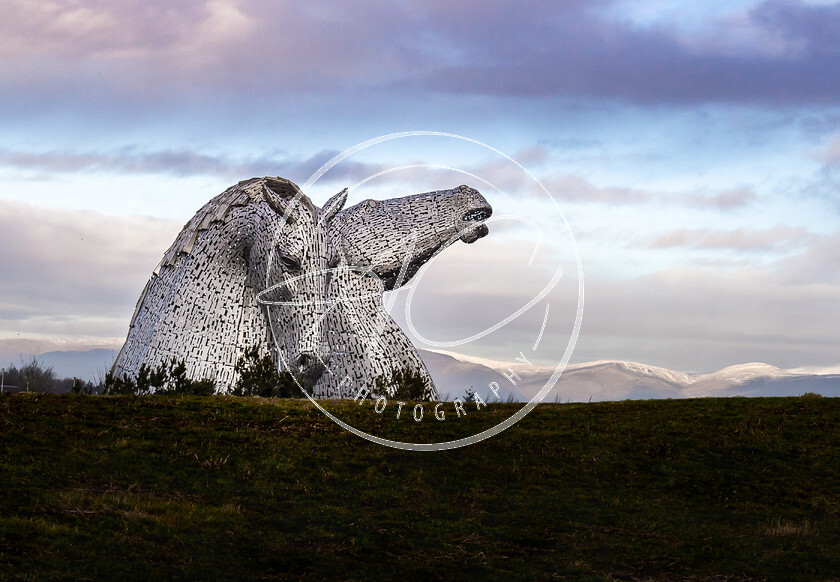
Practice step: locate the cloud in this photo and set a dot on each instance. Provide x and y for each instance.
(11, 350)
(830, 154)
(814, 26)
(693, 318)
(500, 173)
(703, 319)
(509, 178)
(817, 266)
(180, 163)
(74, 273)
(574, 188)
(727, 199)
(77, 275)
(159, 46)
(582, 53)
(742, 239)
(825, 183)
(547, 48)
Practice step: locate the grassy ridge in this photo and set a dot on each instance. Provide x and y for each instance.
(229, 488)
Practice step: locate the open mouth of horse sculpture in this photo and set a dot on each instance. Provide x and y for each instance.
(479, 214)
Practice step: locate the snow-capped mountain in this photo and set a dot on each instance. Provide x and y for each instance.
(454, 376)
(620, 380)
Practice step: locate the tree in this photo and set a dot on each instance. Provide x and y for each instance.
(469, 395)
(169, 378)
(172, 379)
(402, 384)
(34, 377)
(11, 378)
(258, 376)
(117, 385)
(81, 387)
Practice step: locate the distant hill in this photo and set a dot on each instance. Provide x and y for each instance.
(603, 380)
(453, 377)
(620, 380)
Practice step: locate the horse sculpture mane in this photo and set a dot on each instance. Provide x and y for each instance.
(245, 193)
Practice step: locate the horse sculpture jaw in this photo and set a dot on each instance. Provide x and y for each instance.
(474, 235)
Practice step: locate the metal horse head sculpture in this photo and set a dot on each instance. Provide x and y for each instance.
(291, 273)
(200, 305)
(383, 244)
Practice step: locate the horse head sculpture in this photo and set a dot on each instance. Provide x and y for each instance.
(290, 274)
(395, 237)
(260, 265)
(261, 237)
(382, 245)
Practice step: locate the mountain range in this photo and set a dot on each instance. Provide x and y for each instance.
(517, 381)
(619, 380)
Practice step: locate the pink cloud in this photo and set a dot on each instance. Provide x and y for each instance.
(544, 48)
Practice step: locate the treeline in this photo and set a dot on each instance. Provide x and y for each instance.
(258, 376)
(33, 376)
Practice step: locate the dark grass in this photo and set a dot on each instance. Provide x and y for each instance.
(128, 488)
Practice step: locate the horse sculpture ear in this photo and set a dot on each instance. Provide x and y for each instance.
(280, 193)
(333, 205)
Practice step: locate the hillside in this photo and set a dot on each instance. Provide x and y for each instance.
(129, 488)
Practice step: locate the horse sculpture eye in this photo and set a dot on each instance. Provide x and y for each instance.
(290, 264)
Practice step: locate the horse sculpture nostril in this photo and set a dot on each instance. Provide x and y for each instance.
(309, 366)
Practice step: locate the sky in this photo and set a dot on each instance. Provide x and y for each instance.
(689, 153)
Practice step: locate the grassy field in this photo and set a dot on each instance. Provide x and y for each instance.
(139, 488)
